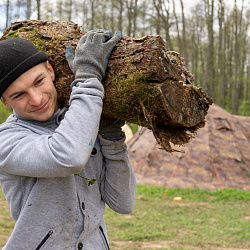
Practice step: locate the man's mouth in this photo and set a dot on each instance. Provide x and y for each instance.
(42, 108)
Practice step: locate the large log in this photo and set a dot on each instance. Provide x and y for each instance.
(145, 83)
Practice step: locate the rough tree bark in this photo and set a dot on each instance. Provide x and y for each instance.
(144, 84)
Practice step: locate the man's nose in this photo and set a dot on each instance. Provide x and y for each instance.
(35, 97)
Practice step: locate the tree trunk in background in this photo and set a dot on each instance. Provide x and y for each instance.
(28, 9)
(166, 23)
(129, 16)
(135, 13)
(84, 15)
(38, 5)
(177, 28)
(209, 73)
(243, 55)
(157, 18)
(229, 66)
(92, 15)
(112, 15)
(235, 92)
(197, 51)
(132, 15)
(245, 69)
(104, 17)
(7, 13)
(184, 42)
(69, 9)
(144, 84)
(161, 8)
(120, 18)
(221, 56)
(59, 10)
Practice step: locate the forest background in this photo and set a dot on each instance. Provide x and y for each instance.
(212, 35)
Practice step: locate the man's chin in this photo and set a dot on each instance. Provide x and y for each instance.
(42, 117)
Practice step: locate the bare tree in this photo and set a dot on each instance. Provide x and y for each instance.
(132, 16)
(221, 54)
(38, 5)
(245, 67)
(135, 13)
(112, 14)
(197, 54)
(7, 13)
(129, 15)
(184, 40)
(164, 15)
(120, 17)
(92, 12)
(69, 9)
(209, 73)
(28, 9)
(142, 13)
(60, 9)
(177, 28)
(236, 60)
(237, 54)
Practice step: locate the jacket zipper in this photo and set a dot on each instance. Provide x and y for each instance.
(100, 227)
(45, 239)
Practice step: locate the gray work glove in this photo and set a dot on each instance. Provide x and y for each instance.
(90, 59)
(112, 132)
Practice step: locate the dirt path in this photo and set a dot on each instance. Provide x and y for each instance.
(122, 245)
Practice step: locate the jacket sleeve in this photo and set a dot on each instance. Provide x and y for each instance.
(66, 151)
(118, 186)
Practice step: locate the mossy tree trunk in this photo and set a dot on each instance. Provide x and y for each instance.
(145, 83)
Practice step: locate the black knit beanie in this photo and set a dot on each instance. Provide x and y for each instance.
(17, 55)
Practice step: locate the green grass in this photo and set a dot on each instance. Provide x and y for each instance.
(6, 222)
(134, 127)
(4, 112)
(202, 220)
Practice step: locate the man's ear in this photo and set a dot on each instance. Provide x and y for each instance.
(52, 73)
(5, 103)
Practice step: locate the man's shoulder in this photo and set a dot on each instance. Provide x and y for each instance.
(11, 118)
(14, 124)
(9, 121)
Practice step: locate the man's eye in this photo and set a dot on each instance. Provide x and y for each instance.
(17, 96)
(39, 81)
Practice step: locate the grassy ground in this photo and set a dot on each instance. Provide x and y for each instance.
(6, 222)
(202, 220)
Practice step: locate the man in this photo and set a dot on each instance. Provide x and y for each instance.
(47, 154)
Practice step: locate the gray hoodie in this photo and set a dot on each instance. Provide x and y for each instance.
(42, 165)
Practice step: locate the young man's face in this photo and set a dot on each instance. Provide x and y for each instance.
(33, 95)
